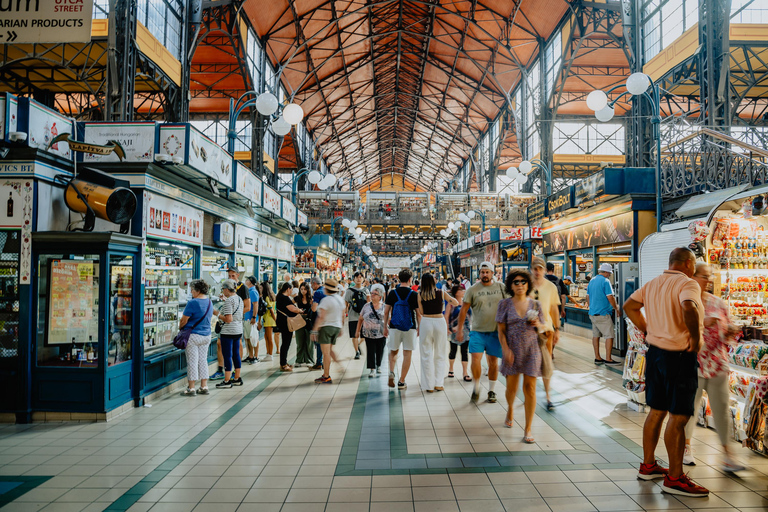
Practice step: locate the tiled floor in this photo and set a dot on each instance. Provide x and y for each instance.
(283, 444)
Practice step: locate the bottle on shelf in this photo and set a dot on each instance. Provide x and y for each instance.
(73, 350)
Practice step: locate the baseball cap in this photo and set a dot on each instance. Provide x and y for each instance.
(567, 278)
(538, 262)
(606, 267)
(487, 265)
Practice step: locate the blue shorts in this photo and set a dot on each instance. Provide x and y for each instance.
(487, 342)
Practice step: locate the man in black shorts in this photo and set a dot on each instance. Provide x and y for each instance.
(673, 323)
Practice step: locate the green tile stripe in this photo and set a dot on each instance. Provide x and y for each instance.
(132, 495)
(27, 484)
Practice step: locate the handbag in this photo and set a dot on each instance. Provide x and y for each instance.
(182, 337)
(220, 323)
(547, 367)
(294, 322)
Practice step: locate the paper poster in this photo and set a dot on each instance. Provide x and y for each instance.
(73, 300)
(511, 233)
(289, 211)
(44, 126)
(137, 140)
(173, 220)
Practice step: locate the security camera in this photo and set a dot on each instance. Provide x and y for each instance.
(17, 136)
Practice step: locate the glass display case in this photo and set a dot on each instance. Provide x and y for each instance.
(247, 265)
(169, 269)
(120, 309)
(9, 294)
(68, 314)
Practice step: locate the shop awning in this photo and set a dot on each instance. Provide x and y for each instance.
(702, 204)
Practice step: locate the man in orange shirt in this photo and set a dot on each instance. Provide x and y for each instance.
(673, 323)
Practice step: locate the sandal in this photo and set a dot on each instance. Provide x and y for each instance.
(450, 375)
(467, 378)
(508, 423)
(286, 368)
(439, 388)
(528, 439)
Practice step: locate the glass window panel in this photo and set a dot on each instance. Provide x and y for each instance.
(9, 293)
(68, 311)
(100, 9)
(121, 309)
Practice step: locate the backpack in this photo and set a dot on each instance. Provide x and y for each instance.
(402, 319)
(262, 307)
(358, 300)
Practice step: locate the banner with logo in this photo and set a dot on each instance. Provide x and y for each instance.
(560, 201)
(136, 139)
(612, 230)
(172, 220)
(272, 200)
(590, 188)
(246, 240)
(248, 185)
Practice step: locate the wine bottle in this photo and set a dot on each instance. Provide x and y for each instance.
(10, 205)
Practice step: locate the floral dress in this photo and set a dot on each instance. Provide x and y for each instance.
(522, 339)
(713, 356)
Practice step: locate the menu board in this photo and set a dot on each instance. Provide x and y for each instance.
(272, 200)
(173, 220)
(601, 232)
(74, 302)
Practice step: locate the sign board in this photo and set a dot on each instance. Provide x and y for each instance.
(533, 233)
(247, 240)
(46, 21)
(618, 228)
(289, 211)
(492, 253)
(301, 218)
(514, 234)
(560, 201)
(272, 200)
(198, 152)
(43, 125)
(223, 234)
(536, 212)
(589, 188)
(12, 204)
(478, 239)
(9, 114)
(486, 236)
(137, 140)
(166, 218)
(248, 185)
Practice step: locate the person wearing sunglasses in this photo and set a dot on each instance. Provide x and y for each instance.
(518, 319)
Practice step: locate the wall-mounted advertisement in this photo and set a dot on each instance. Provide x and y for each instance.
(248, 185)
(13, 205)
(47, 21)
(202, 154)
(590, 188)
(289, 211)
(615, 229)
(173, 220)
(247, 240)
(272, 200)
(511, 233)
(301, 218)
(137, 140)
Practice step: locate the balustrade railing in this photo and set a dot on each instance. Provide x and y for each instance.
(709, 160)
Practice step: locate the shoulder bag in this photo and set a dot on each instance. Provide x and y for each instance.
(547, 367)
(182, 337)
(294, 322)
(220, 323)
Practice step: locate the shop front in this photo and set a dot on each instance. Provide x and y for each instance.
(517, 247)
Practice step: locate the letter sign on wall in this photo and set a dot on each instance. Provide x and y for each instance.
(45, 21)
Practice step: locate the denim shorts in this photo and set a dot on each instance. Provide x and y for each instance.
(671, 380)
(487, 342)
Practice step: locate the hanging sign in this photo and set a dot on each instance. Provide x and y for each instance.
(223, 234)
(486, 236)
(248, 185)
(536, 212)
(532, 233)
(170, 219)
(590, 188)
(289, 211)
(272, 200)
(137, 141)
(247, 240)
(560, 201)
(301, 218)
(111, 147)
(46, 21)
(511, 233)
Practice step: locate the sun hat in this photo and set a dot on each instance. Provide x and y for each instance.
(606, 267)
(331, 285)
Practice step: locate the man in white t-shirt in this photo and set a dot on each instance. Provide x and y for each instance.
(327, 328)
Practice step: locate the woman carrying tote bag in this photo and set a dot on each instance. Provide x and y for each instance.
(287, 314)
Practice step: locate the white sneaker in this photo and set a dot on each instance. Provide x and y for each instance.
(372, 374)
(688, 459)
(378, 369)
(731, 466)
(267, 358)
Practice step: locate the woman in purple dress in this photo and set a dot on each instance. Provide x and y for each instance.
(518, 318)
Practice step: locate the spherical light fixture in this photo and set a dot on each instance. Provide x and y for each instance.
(526, 167)
(457, 224)
(638, 83)
(314, 177)
(359, 231)
(345, 223)
(281, 127)
(597, 100)
(463, 217)
(266, 104)
(293, 113)
(512, 172)
(605, 114)
(354, 224)
(522, 179)
(471, 214)
(331, 179)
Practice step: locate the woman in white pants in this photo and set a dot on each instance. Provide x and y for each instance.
(433, 334)
(197, 318)
(713, 370)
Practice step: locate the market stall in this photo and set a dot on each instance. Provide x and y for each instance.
(413, 206)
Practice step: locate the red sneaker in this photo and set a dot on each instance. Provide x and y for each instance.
(683, 486)
(651, 471)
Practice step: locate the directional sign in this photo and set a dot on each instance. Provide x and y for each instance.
(45, 21)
